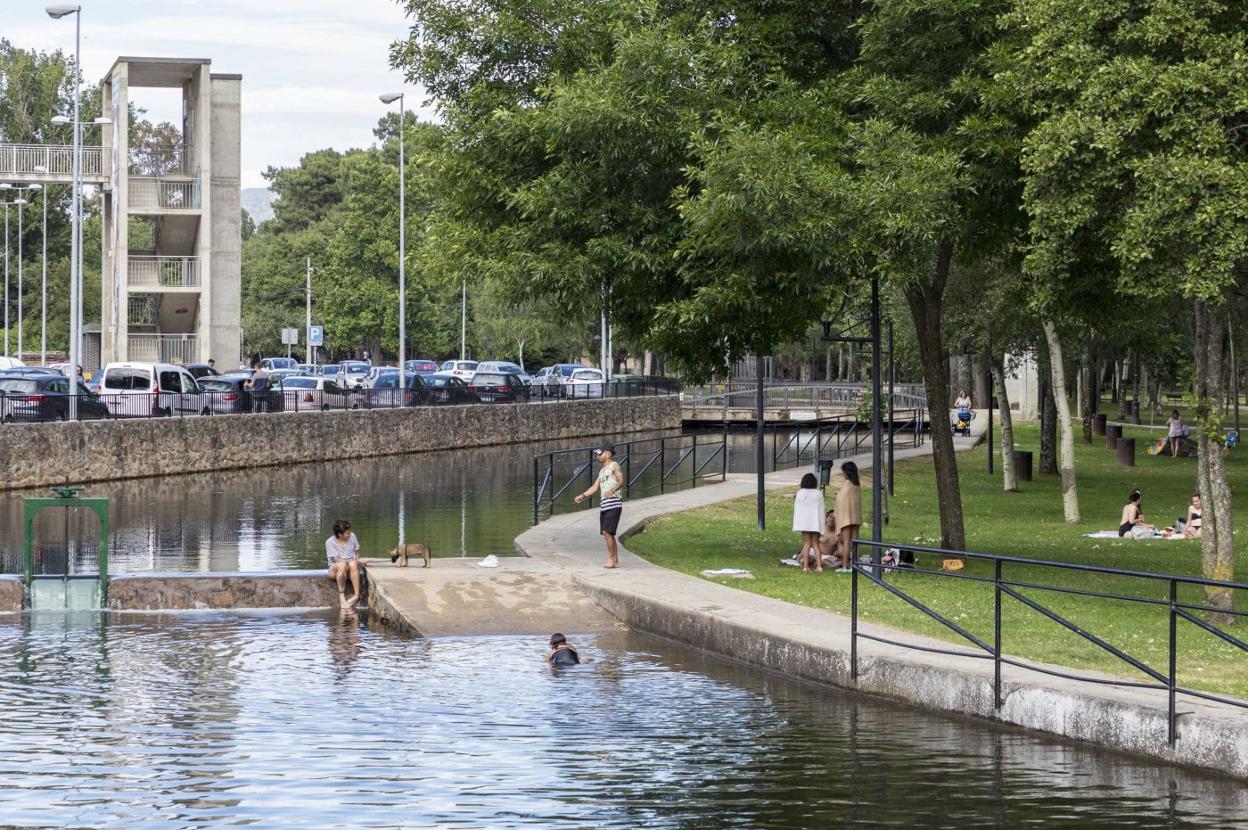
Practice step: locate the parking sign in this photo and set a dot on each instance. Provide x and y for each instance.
(316, 335)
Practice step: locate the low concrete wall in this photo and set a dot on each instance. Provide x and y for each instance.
(202, 591)
(38, 455)
(10, 594)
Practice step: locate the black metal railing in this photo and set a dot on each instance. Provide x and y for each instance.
(649, 465)
(842, 436)
(39, 406)
(1003, 587)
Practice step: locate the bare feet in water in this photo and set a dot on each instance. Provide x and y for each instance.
(348, 602)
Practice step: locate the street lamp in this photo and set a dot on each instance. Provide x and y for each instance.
(21, 202)
(390, 98)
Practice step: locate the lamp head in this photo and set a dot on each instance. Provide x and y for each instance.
(56, 12)
(101, 120)
(35, 187)
(390, 97)
(60, 119)
(20, 202)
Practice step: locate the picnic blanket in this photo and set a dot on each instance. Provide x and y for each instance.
(1113, 534)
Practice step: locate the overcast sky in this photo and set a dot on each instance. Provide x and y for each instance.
(312, 69)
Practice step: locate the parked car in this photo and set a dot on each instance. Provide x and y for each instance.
(10, 362)
(352, 374)
(549, 381)
(491, 387)
(45, 397)
(307, 369)
(384, 393)
(448, 389)
(144, 389)
(506, 368)
(303, 393)
(329, 370)
(422, 366)
(277, 374)
(201, 370)
(226, 395)
(268, 364)
(584, 383)
(462, 369)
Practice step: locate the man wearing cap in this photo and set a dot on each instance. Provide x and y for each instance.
(609, 483)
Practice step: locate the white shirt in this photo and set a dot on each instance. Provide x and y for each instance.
(345, 551)
(808, 510)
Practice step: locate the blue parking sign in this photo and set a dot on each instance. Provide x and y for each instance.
(316, 335)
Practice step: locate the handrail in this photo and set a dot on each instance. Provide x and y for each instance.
(1167, 681)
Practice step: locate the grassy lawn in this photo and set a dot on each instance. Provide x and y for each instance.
(1027, 524)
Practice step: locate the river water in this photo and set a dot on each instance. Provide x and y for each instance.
(313, 720)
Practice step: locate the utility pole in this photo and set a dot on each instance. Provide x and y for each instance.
(877, 458)
(308, 313)
(463, 322)
(758, 444)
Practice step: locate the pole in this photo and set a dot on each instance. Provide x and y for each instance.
(6, 278)
(989, 430)
(402, 258)
(877, 457)
(892, 369)
(758, 444)
(21, 205)
(463, 322)
(307, 314)
(43, 295)
(602, 329)
(75, 258)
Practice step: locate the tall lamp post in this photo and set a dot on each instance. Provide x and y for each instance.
(22, 200)
(390, 98)
(18, 203)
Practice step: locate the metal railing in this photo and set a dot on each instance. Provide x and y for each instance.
(843, 436)
(163, 348)
(1164, 680)
(108, 404)
(163, 271)
(48, 161)
(155, 193)
(791, 396)
(649, 465)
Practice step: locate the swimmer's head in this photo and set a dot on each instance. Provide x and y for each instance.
(557, 640)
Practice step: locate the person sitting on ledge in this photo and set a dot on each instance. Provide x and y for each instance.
(343, 552)
(561, 654)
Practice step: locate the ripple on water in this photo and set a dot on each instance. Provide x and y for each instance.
(312, 720)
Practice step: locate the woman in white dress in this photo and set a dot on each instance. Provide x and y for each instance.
(808, 513)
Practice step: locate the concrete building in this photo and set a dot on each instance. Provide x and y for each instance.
(171, 279)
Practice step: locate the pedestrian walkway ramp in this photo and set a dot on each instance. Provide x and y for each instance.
(457, 597)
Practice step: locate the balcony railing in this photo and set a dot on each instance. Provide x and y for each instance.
(49, 161)
(155, 193)
(164, 271)
(161, 160)
(163, 348)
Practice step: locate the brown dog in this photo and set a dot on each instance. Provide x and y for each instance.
(401, 553)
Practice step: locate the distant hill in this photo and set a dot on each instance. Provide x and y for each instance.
(258, 202)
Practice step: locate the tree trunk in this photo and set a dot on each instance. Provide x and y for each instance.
(827, 365)
(926, 303)
(981, 379)
(1009, 480)
(1086, 402)
(1070, 494)
(1048, 415)
(521, 360)
(1217, 553)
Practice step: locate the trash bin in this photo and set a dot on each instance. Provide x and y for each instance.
(1126, 452)
(823, 469)
(1112, 433)
(1022, 465)
(1099, 420)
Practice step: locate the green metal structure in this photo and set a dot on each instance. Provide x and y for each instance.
(66, 497)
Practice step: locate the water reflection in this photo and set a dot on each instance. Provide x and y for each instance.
(314, 720)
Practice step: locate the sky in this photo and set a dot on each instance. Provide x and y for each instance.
(312, 69)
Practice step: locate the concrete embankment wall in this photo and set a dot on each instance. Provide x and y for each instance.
(36, 455)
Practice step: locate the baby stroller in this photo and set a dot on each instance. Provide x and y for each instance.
(962, 422)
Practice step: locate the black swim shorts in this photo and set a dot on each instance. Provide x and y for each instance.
(609, 520)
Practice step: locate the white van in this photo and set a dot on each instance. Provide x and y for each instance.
(141, 390)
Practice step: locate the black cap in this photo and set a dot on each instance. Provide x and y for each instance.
(604, 448)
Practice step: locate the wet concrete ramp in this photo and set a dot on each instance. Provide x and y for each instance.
(456, 597)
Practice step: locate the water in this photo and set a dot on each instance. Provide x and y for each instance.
(312, 720)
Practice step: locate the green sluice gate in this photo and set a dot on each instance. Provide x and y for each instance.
(64, 591)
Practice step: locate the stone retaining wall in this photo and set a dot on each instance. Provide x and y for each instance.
(10, 594)
(37, 455)
(202, 591)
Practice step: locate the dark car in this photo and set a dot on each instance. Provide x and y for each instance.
(499, 388)
(448, 389)
(199, 371)
(384, 391)
(225, 395)
(45, 398)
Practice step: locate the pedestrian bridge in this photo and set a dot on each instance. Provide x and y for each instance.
(50, 164)
(737, 402)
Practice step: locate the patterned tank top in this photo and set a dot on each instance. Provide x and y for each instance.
(609, 488)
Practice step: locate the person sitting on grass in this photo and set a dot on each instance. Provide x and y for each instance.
(1133, 519)
(1192, 524)
(829, 543)
(343, 552)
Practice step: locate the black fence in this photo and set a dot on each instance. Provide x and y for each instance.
(650, 465)
(842, 436)
(37, 407)
(1165, 596)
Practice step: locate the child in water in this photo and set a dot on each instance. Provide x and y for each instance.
(561, 654)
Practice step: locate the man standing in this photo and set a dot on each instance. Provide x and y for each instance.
(259, 387)
(608, 485)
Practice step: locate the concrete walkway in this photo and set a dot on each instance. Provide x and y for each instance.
(794, 640)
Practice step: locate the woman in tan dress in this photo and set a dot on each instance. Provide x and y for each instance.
(848, 513)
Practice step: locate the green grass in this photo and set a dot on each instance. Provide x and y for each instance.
(1026, 524)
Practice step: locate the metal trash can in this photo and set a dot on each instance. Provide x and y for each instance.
(1022, 464)
(1112, 433)
(823, 470)
(1126, 452)
(1099, 420)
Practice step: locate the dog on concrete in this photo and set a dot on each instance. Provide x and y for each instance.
(402, 552)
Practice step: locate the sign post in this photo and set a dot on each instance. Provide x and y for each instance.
(316, 339)
(290, 338)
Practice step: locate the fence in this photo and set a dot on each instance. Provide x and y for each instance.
(161, 348)
(163, 271)
(1004, 587)
(38, 406)
(843, 436)
(649, 465)
(48, 161)
(789, 396)
(163, 194)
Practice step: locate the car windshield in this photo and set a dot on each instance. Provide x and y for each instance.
(282, 362)
(422, 366)
(298, 383)
(436, 381)
(211, 385)
(566, 371)
(584, 375)
(481, 379)
(330, 370)
(356, 368)
(511, 368)
(17, 386)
